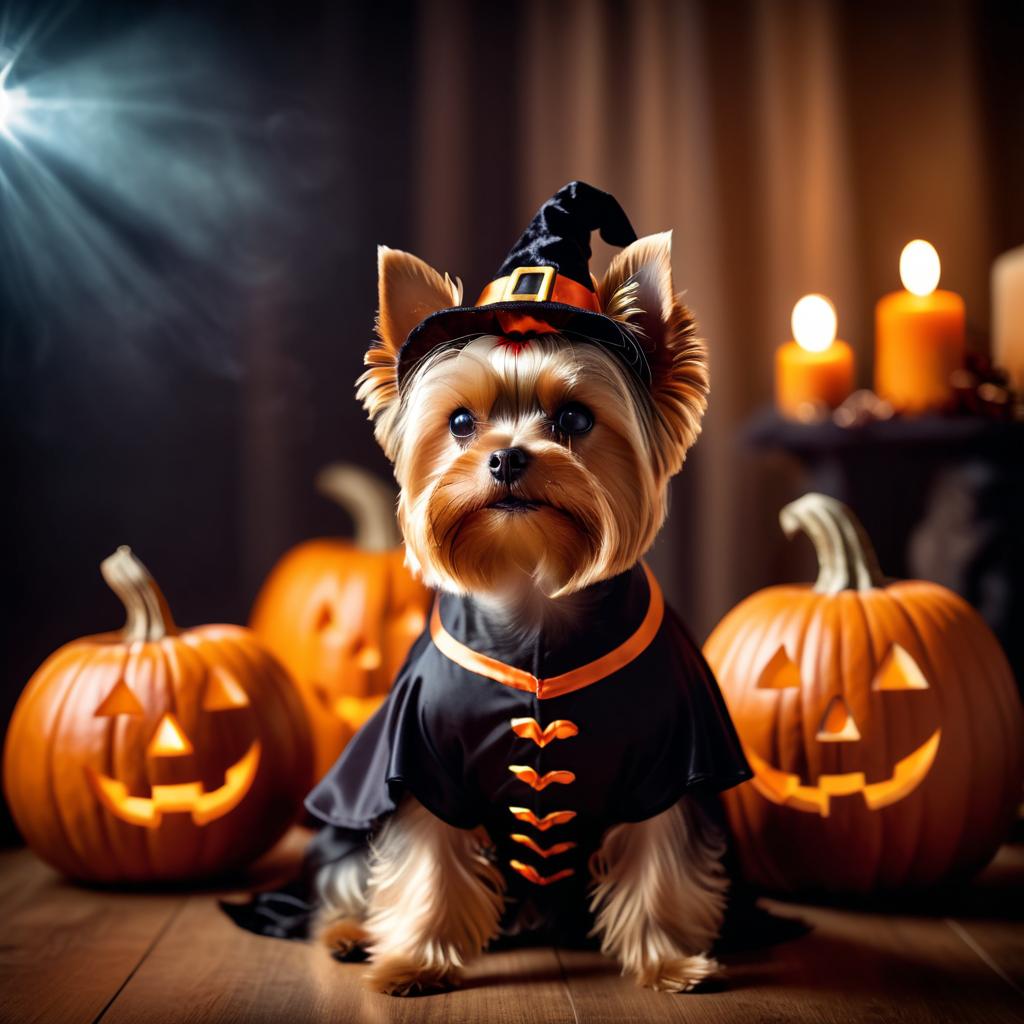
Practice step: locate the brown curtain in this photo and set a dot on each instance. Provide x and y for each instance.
(792, 146)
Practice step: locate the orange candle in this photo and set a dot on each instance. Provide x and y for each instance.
(919, 335)
(815, 369)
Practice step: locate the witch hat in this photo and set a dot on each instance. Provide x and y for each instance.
(544, 286)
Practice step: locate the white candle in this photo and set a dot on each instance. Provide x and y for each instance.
(1008, 315)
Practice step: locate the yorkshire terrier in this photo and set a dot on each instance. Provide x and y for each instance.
(540, 762)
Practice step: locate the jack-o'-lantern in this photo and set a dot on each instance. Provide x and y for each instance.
(341, 615)
(880, 719)
(155, 753)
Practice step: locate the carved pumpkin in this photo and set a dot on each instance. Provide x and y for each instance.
(880, 719)
(156, 753)
(342, 615)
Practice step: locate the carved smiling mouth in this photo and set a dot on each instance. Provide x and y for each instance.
(179, 797)
(785, 788)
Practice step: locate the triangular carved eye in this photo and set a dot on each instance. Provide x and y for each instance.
(899, 671)
(780, 673)
(223, 692)
(120, 701)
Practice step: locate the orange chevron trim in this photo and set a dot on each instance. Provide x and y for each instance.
(538, 782)
(545, 852)
(567, 682)
(531, 874)
(542, 824)
(530, 729)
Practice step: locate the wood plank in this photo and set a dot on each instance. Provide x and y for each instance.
(66, 950)
(988, 917)
(205, 968)
(851, 966)
(70, 954)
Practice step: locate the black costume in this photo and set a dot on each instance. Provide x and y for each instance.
(544, 745)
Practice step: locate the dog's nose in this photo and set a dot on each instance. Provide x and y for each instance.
(507, 464)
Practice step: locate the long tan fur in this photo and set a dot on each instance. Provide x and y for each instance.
(637, 288)
(660, 897)
(408, 291)
(433, 901)
(600, 501)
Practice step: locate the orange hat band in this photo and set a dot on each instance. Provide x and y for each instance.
(539, 284)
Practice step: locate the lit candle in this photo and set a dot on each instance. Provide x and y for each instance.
(815, 369)
(1008, 315)
(919, 335)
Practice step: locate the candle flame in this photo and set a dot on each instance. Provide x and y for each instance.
(919, 267)
(814, 323)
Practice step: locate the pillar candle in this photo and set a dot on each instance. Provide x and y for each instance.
(815, 369)
(1008, 315)
(919, 335)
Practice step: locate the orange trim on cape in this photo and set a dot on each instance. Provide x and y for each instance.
(541, 851)
(555, 686)
(531, 874)
(532, 778)
(530, 729)
(542, 824)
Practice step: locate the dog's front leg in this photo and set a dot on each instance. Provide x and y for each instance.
(433, 902)
(659, 898)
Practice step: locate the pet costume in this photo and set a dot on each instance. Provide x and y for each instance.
(544, 741)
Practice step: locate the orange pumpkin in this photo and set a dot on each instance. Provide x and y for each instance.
(342, 615)
(156, 753)
(880, 718)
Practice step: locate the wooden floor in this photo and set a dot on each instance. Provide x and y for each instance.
(70, 955)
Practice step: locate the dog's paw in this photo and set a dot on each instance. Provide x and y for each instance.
(394, 976)
(679, 975)
(341, 936)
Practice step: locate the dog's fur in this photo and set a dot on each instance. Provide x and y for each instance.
(427, 898)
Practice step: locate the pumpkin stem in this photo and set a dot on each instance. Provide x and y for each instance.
(149, 618)
(367, 499)
(846, 559)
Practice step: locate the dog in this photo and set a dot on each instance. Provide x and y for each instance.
(541, 760)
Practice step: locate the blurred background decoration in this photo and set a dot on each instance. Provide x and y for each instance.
(191, 196)
(341, 614)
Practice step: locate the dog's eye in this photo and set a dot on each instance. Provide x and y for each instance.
(461, 423)
(574, 418)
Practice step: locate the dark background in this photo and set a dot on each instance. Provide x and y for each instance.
(183, 404)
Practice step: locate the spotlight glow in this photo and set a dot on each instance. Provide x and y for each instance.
(11, 101)
(814, 323)
(157, 193)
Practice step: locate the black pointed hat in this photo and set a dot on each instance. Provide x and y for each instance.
(544, 286)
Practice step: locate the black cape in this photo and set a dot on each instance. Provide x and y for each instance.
(544, 742)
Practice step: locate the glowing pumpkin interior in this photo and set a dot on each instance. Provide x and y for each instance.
(837, 724)
(222, 693)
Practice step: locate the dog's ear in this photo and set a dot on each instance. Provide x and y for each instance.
(637, 291)
(408, 290)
